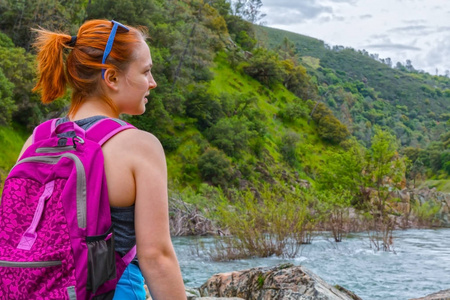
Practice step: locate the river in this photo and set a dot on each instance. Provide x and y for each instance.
(419, 266)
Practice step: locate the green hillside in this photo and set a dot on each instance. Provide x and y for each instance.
(365, 91)
(415, 105)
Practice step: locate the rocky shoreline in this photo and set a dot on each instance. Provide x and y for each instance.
(282, 282)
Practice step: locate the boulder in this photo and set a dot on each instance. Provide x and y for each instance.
(285, 281)
(442, 295)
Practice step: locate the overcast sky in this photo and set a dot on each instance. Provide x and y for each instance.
(418, 30)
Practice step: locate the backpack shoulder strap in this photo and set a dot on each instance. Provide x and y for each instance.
(44, 130)
(104, 129)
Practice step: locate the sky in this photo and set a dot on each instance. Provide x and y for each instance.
(418, 30)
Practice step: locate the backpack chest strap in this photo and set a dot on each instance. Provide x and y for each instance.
(100, 132)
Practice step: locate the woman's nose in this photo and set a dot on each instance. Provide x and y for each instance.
(152, 84)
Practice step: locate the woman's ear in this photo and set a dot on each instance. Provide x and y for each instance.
(111, 79)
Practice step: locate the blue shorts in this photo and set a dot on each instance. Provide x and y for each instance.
(130, 285)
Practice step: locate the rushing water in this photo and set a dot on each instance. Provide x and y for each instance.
(419, 266)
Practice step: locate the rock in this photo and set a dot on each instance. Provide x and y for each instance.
(185, 219)
(287, 282)
(442, 295)
(192, 293)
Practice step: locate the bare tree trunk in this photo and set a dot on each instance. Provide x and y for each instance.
(178, 69)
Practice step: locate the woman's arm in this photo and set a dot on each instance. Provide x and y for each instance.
(156, 255)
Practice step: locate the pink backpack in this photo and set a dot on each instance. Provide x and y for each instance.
(56, 235)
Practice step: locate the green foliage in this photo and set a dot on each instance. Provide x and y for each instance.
(296, 80)
(384, 169)
(272, 222)
(288, 147)
(134, 12)
(334, 207)
(17, 17)
(5, 41)
(293, 111)
(241, 32)
(264, 66)
(445, 161)
(231, 135)
(203, 106)
(426, 212)
(342, 171)
(7, 106)
(329, 127)
(18, 67)
(12, 140)
(215, 167)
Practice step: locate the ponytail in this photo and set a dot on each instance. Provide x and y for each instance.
(81, 68)
(52, 78)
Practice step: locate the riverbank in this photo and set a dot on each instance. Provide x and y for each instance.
(419, 266)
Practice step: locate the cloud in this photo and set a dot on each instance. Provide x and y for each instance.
(438, 55)
(417, 21)
(379, 36)
(363, 17)
(285, 12)
(393, 47)
(443, 28)
(408, 29)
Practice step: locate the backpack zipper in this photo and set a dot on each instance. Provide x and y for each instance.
(81, 180)
(30, 264)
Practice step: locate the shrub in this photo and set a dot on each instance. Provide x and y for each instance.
(265, 67)
(426, 213)
(215, 167)
(288, 147)
(230, 135)
(272, 222)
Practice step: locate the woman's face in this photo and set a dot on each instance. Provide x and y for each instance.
(136, 82)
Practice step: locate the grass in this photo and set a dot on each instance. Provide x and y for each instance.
(442, 185)
(11, 141)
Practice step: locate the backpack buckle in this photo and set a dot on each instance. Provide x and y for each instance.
(75, 140)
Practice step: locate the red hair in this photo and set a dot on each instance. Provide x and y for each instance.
(81, 69)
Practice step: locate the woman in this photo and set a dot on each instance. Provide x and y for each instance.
(109, 71)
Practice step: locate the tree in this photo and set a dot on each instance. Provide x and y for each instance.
(330, 128)
(385, 168)
(215, 167)
(250, 10)
(264, 66)
(231, 135)
(383, 173)
(288, 147)
(17, 17)
(18, 66)
(7, 106)
(204, 106)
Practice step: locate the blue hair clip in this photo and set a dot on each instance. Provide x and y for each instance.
(110, 42)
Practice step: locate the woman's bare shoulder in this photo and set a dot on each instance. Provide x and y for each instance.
(137, 142)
